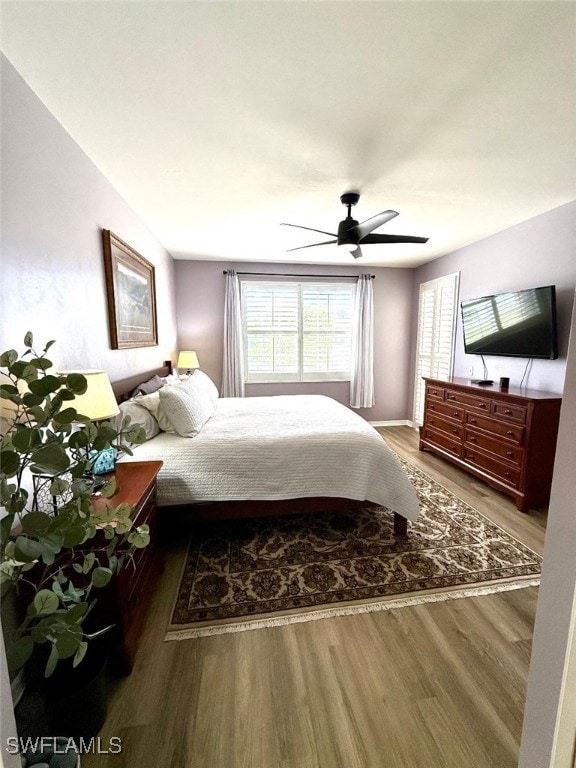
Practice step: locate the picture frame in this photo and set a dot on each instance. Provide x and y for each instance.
(131, 295)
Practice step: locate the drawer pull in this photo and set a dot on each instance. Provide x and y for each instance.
(506, 474)
(482, 405)
(508, 412)
(509, 432)
(472, 421)
(451, 397)
(456, 413)
(508, 453)
(472, 439)
(431, 407)
(454, 431)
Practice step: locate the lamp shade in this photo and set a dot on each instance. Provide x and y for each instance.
(187, 360)
(99, 401)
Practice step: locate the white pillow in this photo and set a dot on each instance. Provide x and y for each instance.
(207, 384)
(186, 406)
(138, 416)
(152, 404)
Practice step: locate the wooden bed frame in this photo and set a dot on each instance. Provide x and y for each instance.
(228, 510)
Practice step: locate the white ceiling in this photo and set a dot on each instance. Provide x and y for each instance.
(216, 121)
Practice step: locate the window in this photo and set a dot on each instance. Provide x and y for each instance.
(436, 329)
(297, 331)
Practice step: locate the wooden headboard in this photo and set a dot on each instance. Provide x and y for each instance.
(124, 387)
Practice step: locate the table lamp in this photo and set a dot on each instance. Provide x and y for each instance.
(98, 403)
(188, 360)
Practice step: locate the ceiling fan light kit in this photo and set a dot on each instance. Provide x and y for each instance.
(351, 234)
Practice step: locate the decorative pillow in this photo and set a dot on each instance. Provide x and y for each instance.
(207, 384)
(152, 404)
(186, 406)
(139, 416)
(147, 387)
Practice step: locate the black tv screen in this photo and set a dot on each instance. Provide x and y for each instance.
(517, 324)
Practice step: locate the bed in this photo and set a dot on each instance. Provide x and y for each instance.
(274, 455)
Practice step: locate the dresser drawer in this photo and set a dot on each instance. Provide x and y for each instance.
(511, 432)
(443, 425)
(436, 393)
(442, 440)
(514, 413)
(444, 409)
(512, 453)
(469, 401)
(509, 475)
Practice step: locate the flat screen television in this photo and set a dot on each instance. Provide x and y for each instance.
(516, 324)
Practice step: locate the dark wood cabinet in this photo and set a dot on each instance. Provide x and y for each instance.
(505, 437)
(126, 599)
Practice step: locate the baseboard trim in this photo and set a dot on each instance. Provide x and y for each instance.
(393, 423)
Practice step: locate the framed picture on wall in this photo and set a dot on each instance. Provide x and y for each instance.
(131, 294)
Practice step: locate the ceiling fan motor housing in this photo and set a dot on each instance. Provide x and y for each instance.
(346, 233)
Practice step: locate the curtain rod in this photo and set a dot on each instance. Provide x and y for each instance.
(291, 274)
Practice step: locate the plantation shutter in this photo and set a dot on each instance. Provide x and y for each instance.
(436, 331)
(297, 331)
(326, 330)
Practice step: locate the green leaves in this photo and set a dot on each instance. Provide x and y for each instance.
(66, 552)
(26, 439)
(36, 523)
(9, 463)
(45, 602)
(76, 383)
(101, 576)
(27, 550)
(8, 358)
(50, 459)
(18, 653)
(140, 537)
(47, 385)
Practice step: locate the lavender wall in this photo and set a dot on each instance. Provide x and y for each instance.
(200, 311)
(540, 251)
(54, 204)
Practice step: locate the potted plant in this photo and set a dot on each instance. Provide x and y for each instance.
(56, 560)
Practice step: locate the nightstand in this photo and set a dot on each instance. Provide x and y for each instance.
(127, 598)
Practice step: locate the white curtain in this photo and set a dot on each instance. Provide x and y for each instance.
(362, 379)
(233, 369)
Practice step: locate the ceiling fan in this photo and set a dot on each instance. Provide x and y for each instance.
(351, 234)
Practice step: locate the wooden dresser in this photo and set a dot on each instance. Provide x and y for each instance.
(505, 437)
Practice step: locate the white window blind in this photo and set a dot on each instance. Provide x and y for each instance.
(436, 329)
(297, 331)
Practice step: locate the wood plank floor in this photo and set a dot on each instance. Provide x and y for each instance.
(439, 685)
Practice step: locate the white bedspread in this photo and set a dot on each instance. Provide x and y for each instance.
(282, 447)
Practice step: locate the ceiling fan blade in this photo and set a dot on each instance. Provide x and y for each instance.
(299, 226)
(369, 225)
(393, 239)
(326, 242)
(357, 252)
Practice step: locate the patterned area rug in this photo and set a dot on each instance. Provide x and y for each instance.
(265, 572)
